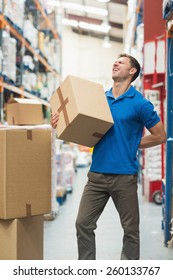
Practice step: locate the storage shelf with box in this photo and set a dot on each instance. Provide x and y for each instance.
(5, 23)
(45, 66)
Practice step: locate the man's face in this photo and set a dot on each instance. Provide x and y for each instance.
(121, 69)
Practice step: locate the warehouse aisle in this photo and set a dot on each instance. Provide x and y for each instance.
(60, 235)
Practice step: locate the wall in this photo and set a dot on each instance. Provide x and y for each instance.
(85, 57)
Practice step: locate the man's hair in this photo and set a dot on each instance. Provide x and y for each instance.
(134, 64)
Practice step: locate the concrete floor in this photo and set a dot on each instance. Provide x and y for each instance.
(60, 235)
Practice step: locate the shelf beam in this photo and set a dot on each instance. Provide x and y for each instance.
(48, 21)
(22, 92)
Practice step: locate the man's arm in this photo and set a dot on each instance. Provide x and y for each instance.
(157, 136)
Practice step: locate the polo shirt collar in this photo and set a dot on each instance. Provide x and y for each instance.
(129, 93)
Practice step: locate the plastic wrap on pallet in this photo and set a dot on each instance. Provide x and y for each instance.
(154, 177)
(131, 19)
(153, 163)
(30, 33)
(9, 56)
(153, 153)
(14, 10)
(29, 80)
(65, 167)
(140, 42)
(51, 83)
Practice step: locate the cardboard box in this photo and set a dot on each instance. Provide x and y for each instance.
(84, 111)
(22, 239)
(25, 172)
(23, 111)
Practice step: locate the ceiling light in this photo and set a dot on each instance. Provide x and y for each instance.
(102, 28)
(70, 22)
(103, 1)
(86, 9)
(79, 7)
(96, 11)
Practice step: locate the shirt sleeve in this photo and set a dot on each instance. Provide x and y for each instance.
(148, 115)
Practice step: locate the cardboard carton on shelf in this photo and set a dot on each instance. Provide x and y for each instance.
(25, 171)
(84, 111)
(22, 239)
(24, 111)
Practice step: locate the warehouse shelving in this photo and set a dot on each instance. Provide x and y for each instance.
(21, 92)
(167, 12)
(7, 86)
(17, 35)
(154, 90)
(157, 84)
(48, 21)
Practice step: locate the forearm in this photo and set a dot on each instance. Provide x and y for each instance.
(151, 141)
(156, 137)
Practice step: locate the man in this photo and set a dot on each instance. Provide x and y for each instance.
(113, 171)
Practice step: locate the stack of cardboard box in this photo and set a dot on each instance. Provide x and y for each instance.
(25, 188)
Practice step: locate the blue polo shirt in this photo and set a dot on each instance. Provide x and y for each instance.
(116, 152)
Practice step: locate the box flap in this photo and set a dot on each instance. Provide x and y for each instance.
(24, 127)
(24, 101)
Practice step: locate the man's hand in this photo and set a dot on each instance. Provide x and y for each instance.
(54, 120)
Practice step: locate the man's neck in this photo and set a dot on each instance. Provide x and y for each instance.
(119, 88)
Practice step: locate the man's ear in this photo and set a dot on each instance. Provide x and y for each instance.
(133, 71)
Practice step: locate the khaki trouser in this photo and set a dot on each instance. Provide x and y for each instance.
(123, 191)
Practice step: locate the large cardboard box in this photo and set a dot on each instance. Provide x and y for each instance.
(84, 111)
(22, 239)
(25, 172)
(23, 111)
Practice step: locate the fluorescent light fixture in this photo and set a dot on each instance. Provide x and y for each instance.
(102, 28)
(103, 1)
(96, 11)
(70, 22)
(78, 7)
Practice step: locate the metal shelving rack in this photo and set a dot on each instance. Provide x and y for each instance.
(18, 35)
(168, 184)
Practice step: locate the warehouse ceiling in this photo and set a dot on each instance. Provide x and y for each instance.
(95, 17)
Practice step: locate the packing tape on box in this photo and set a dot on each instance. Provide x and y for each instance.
(62, 107)
(28, 209)
(97, 134)
(29, 134)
